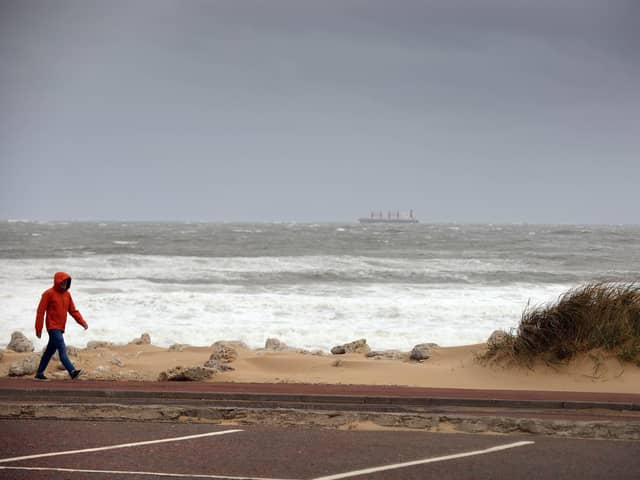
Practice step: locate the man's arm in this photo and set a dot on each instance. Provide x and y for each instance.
(42, 307)
(76, 314)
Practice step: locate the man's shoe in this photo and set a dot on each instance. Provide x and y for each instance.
(75, 374)
(40, 376)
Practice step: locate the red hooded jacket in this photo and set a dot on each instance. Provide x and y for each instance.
(56, 302)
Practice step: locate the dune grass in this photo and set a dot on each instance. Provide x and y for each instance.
(599, 315)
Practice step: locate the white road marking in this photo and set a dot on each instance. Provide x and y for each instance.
(123, 472)
(382, 468)
(112, 447)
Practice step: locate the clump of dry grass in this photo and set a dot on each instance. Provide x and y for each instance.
(600, 315)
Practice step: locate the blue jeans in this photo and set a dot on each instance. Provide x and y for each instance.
(56, 342)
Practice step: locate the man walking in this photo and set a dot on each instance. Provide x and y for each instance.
(56, 302)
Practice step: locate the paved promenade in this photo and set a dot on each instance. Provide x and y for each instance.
(28, 383)
(374, 398)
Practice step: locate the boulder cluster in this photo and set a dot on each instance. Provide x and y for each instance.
(26, 366)
(223, 353)
(419, 353)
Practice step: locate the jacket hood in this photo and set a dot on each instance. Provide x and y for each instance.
(60, 277)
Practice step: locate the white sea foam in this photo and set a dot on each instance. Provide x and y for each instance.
(200, 300)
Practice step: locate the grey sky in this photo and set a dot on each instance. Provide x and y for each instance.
(470, 111)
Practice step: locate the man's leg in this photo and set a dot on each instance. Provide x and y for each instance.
(46, 355)
(62, 350)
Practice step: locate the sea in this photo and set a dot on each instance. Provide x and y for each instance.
(311, 285)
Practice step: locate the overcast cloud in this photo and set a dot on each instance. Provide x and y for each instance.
(467, 111)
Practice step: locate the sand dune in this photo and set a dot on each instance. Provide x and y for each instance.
(455, 367)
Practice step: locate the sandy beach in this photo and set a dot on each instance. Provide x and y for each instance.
(448, 367)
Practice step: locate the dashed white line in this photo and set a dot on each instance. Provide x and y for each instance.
(394, 466)
(112, 447)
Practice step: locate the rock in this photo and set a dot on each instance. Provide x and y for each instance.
(390, 354)
(186, 374)
(337, 363)
(357, 346)
(26, 366)
(117, 362)
(275, 344)
(178, 347)
(421, 352)
(231, 343)
(99, 344)
(496, 339)
(1, 355)
(224, 353)
(218, 365)
(145, 339)
(20, 343)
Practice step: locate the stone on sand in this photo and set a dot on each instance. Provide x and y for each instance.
(20, 343)
(177, 347)
(275, 344)
(388, 354)
(186, 374)
(223, 353)
(26, 366)
(145, 339)
(357, 346)
(421, 351)
(231, 343)
(99, 344)
(117, 362)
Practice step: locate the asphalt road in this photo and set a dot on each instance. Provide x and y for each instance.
(296, 453)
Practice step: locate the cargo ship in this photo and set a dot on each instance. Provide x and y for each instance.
(389, 218)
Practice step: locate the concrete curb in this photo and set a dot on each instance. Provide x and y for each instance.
(286, 417)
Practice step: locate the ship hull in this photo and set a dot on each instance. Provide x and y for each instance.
(387, 220)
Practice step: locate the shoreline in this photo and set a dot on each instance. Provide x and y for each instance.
(447, 367)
